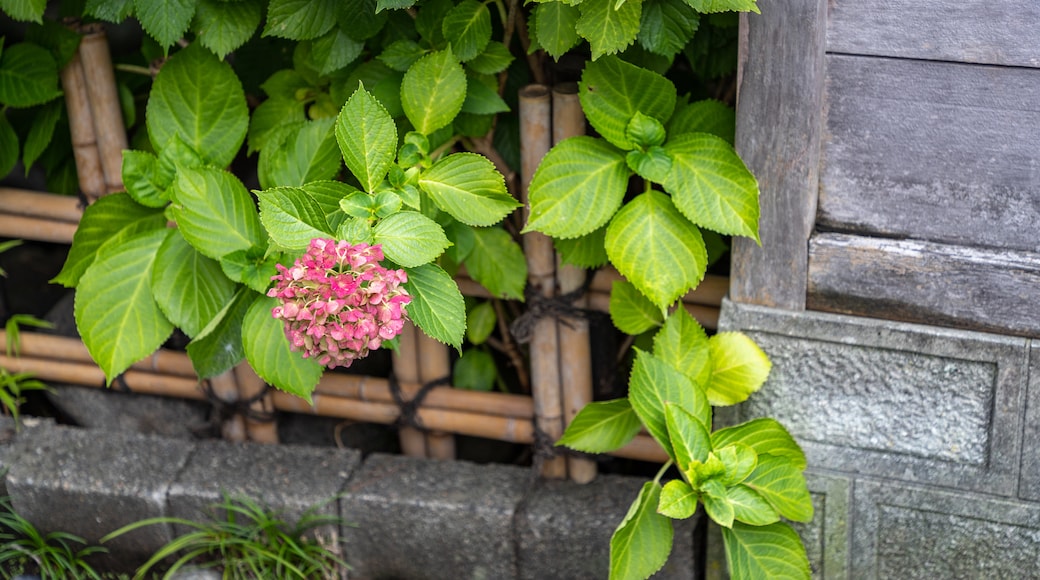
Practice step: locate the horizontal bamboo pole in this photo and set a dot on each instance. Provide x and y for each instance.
(39, 345)
(88, 374)
(62, 208)
(38, 229)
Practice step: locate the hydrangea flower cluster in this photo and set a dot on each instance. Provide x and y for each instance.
(338, 303)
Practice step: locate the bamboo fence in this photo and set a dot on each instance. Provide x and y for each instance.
(560, 353)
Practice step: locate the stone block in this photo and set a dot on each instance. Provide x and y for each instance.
(916, 533)
(7, 435)
(114, 410)
(425, 519)
(90, 483)
(888, 399)
(564, 530)
(1029, 486)
(287, 479)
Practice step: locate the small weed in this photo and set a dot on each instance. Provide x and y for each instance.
(55, 555)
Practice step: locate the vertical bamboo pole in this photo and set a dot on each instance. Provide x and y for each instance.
(224, 388)
(406, 369)
(81, 126)
(109, 129)
(435, 363)
(575, 350)
(249, 386)
(535, 138)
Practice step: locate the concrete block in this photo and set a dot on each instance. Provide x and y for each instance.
(114, 410)
(90, 483)
(888, 399)
(1029, 486)
(564, 530)
(916, 533)
(287, 479)
(424, 519)
(7, 435)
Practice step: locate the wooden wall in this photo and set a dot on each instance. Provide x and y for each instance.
(921, 199)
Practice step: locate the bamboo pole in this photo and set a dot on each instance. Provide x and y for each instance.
(406, 370)
(535, 138)
(107, 115)
(434, 364)
(29, 228)
(81, 127)
(22, 202)
(250, 386)
(575, 355)
(233, 427)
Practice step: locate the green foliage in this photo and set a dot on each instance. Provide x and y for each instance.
(245, 539)
(13, 387)
(24, 548)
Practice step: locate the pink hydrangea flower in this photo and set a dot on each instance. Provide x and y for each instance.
(338, 303)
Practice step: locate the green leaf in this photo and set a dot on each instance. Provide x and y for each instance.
(292, 218)
(555, 24)
(104, 219)
(210, 116)
(656, 248)
(8, 146)
(482, 100)
(218, 347)
(142, 179)
(641, 544)
(433, 91)
(495, 59)
(28, 76)
(250, 267)
(188, 287)
(750, 508)
(110, 10)
(224, 26)
(738, 368)
(394, 4)
(683, 344)
(361, 19)
(328, 194)
(765, 436)
(475, 371)
(385, 204)
(480, 323)
(467, 27)
(300, 19)
(577, 188)
(586, 251)
(711, 185)
(272, 119)
(437, 306)
(612, 91)
(61, 41)
(355, 231)
(469, 188)
(717, 504)
(678, 500)
(740, 460)
(401, 54)
(214, 212)
(602, 427)
(688, 434)
(410, 239)
(666, 26)
(630, 311)
(644, 131)
(608, 28)
(428, 21)
(712, 6)
(707, 116)
(115, 313)
(24, 10)
(497, 262)
(40, 134)
(335, 50)
(307, 153)
(367, 137)
(773, 551)
(268, 352)
(782, 484)
(165, 20)
(654, 383)
(654, 164)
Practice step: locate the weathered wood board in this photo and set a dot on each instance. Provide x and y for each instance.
(976, 31)
(935, 151)
(924, 282)
(778, 135)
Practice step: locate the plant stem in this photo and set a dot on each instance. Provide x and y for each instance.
(133, 68)
(660, 472)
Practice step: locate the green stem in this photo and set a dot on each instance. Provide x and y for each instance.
(660, 473)
(133, 68)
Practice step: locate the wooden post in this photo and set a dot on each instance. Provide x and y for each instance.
(535, 139)
(224, 388)
(435, 363)
(406, 370)
(81, 127)
(107, 115)
(779, 125)
(251, 385)
(575, 349)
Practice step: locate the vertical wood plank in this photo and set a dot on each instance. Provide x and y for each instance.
(779, 121)
(406, 369)
(434, 364)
